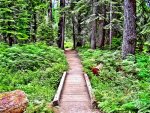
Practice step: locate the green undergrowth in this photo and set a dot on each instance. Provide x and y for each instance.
(33, 68)
(68, 44)
(122, 86)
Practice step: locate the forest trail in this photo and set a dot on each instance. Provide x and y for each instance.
(75, 97)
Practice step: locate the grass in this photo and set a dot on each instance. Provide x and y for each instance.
(122, 86)
(33, 68)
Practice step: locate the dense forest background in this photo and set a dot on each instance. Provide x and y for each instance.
(113, 33)
(97, 22)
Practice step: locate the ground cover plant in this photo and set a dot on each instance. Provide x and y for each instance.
(122, 86)
(34, 68)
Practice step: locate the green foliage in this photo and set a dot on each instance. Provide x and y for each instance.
(122, 86)
(14, 19)
(146, 47)
(116, 43)
(23, 20)
(38, 107)
(68, 44)
(33, 68)
(45, 32)
(143, 25)
(143, 61)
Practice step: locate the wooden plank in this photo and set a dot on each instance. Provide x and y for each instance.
(56, 100)
(89, 87)
(75, 98)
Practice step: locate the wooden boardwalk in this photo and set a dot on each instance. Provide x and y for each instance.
(75, 97)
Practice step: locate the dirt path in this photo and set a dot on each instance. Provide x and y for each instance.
(75, 97)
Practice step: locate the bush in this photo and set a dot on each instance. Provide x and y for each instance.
(116, 42)
(68, 45)
(122, 86)
(146, 47)
(45, 32)
(143, 61)
(33, 68)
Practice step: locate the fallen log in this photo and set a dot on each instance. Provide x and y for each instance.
(96, 69)
(13, 102)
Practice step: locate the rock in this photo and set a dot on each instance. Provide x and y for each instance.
(13, 102)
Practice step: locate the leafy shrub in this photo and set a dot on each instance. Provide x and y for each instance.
(122, 85)
(68, 44)
(143, 63)
(45, 32)
(116, 42)
(33, 68)
(147, 46)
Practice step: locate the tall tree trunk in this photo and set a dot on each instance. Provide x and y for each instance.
(5, 38)
(94, 25)
(78, 30)
(61, 30)
(101, 24)
(73, 25)
(10, 38)
(129, 36)
(50, 10)
(59, 33)
(34, 27)
(73, 30)
(10, 41)
(110, 31)
(93, 36)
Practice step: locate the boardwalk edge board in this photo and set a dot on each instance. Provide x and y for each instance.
(91, 94)
(56, 100)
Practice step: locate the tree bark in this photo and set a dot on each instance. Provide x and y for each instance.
(34, 27)
(110, 31)
(5, 38)
(129, 35)
(74, 23)
(79, 30)
(94, 26)
(59, 33)
(50, 10)
(101, 25)
(10, 40)
(61, 30)
(73, 30)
